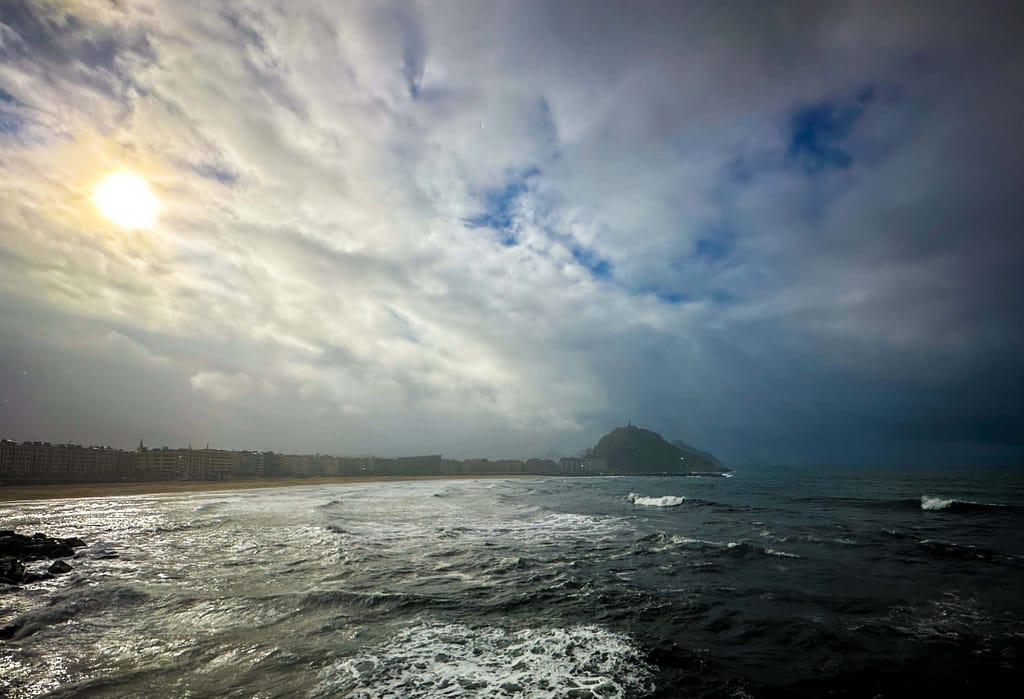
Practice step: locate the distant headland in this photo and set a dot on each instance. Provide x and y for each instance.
(628, 450)
(632, 450)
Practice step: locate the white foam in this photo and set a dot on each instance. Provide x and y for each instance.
(453, 660)
(687, 541)
(663, 501)
(781, 554)
(412, 518)
(930, 503)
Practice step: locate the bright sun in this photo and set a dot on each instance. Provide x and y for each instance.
(127, 200)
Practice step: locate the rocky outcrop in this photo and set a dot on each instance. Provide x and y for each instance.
(16, 549)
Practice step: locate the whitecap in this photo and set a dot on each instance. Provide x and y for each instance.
(930, 503)
(663, 501)
(781, 554)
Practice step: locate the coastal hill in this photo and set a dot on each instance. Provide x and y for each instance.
(634, 450)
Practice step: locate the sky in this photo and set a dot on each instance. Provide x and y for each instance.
(783, 232)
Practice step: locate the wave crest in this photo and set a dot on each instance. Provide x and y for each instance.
(952, 505)
(663, 501)
(930, 503)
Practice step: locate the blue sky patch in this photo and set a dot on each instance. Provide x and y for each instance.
(715, 246)
(500, 207)
(674, 298)
(817, 132)
(598, 266)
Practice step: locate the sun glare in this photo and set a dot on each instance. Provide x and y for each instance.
(127, 200)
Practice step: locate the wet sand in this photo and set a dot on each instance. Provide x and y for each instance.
(10, 493)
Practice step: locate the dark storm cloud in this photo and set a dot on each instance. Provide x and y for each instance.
(972, 427)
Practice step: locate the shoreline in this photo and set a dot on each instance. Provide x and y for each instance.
(63, 491)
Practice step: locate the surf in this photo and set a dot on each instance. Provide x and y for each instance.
(662, 501)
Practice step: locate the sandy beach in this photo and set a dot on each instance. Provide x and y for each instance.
(11, 493)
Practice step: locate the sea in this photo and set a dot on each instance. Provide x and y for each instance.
(774, 582)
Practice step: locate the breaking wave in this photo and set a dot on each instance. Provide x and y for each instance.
(663, 501)
(453, 660)
(935, 503)
(928, 503)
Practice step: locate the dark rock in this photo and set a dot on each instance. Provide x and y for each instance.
(11, 570)
(59, 567)
(16, 548)
(36, 577)
(10, 545)
(46, 549)
(37, 546)
(60, 550)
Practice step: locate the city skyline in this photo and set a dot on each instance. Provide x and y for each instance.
(626, 450)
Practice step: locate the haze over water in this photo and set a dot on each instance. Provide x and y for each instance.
(775, 581)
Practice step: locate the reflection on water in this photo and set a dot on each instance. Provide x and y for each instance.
(526, 587)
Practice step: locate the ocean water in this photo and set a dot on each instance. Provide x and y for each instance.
(775, 582)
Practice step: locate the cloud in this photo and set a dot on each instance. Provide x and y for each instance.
(222, 387)
(502, 230)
